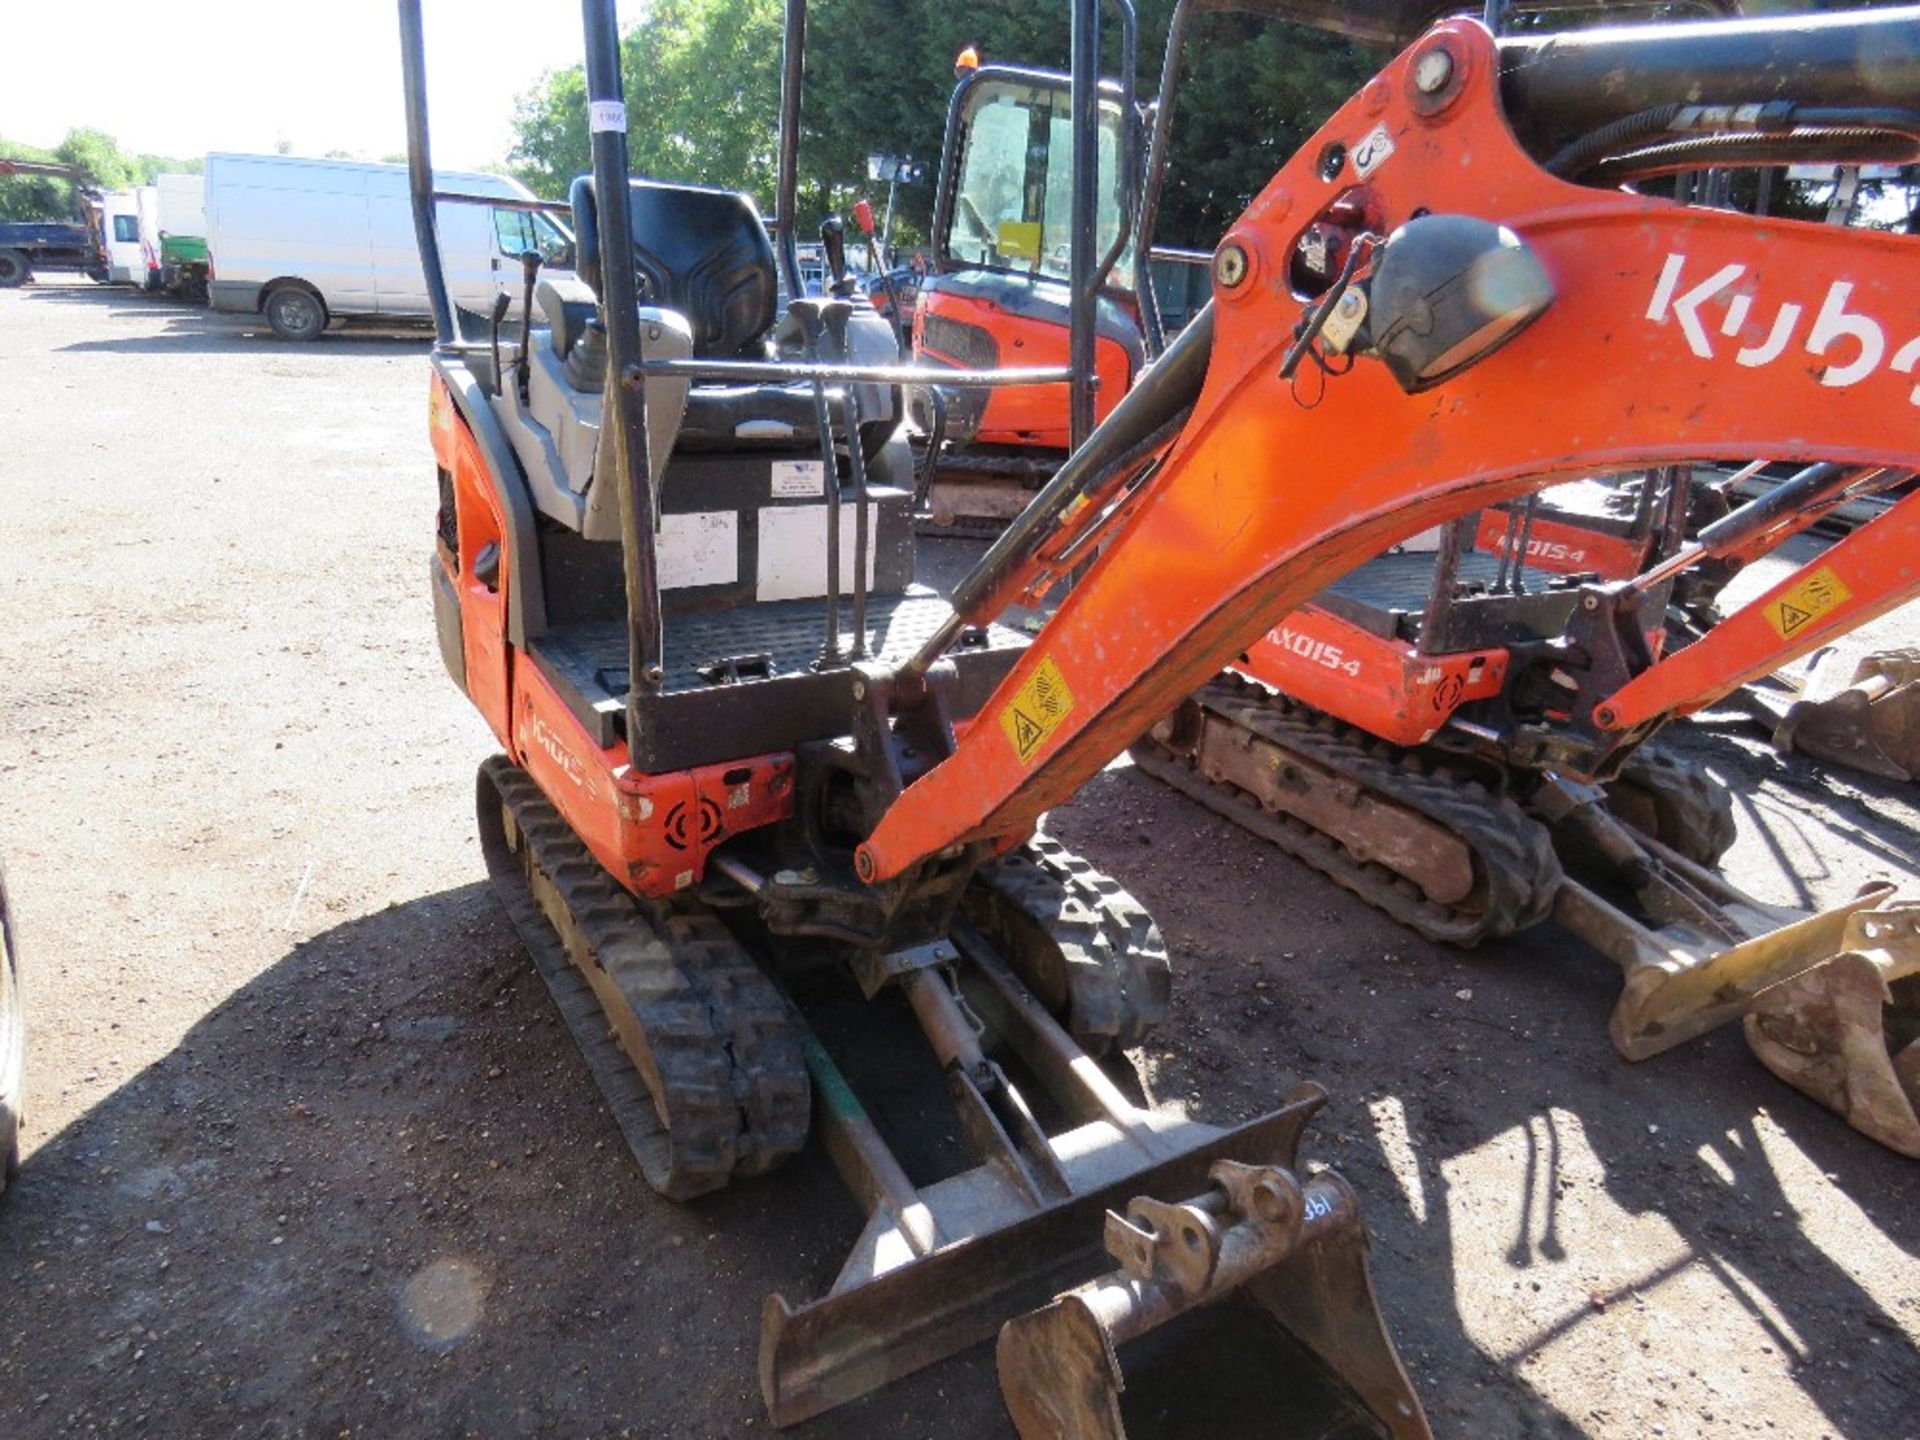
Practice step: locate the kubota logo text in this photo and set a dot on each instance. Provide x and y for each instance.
(1852, 343)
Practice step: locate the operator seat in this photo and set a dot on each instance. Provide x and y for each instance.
(704, 253)
(697, 250)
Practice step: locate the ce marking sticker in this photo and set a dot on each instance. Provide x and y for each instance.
(1372, 152)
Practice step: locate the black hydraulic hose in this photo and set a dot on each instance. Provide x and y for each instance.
(1762, 152)
(1571, 161)
(1556, 87)
(1749, 131)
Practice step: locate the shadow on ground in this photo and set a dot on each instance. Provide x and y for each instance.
(1692, 1138)
(194, 329)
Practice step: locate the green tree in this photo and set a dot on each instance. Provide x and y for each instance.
(702, 80)
(32, 197)
(702, 84)
(98, 158)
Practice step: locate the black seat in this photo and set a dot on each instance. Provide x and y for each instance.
(697, 250)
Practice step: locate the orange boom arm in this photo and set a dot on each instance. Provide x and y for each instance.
(1676, 333)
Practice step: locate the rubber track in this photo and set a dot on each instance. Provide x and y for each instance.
(1515, 869)
(1079, 940)
(715, 1086)
(1693, 811)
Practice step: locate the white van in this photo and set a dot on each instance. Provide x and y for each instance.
(305, 242)
(130, 229)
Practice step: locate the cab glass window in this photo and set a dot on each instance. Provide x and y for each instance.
(126, 229)
(1013, 203)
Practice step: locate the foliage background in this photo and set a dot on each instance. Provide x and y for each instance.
(703, 84)
(100, 160)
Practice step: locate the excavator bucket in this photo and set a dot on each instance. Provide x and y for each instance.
(1296, 1250)
(1870, 722)
(1831, 1001)
(1684, 979)
(1848, 1032)
(1705, 951)
(942, 1266)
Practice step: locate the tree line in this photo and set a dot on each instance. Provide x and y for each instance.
(102, 165)
(702, 82)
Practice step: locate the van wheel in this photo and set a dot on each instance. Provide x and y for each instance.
(12, 1047)
(13, 269)
(295, 314)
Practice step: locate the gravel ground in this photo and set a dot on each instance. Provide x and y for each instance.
(308, 1154)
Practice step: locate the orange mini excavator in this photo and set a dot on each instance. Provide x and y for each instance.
(754, 771)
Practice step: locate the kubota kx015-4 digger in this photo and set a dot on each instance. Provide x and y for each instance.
(674, 572)
(726, 787)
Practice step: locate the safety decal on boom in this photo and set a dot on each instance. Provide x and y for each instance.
(1043, 702)
(1807, 601)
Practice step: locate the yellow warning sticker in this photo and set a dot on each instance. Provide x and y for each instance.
(1043, 702)
(1807, 601)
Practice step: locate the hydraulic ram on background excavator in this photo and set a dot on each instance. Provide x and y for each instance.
(754, 772)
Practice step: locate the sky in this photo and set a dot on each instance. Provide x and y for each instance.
(247, 74)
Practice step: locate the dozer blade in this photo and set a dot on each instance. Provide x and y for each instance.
(1848, 1033)
(874, 1328)
(1298, 1251)
(1872, 722)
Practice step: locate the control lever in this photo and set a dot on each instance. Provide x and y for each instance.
(807, 310)
(833, 242)
(835, 313)
(523, 364)
(500, 304)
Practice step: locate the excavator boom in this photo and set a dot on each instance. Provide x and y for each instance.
(1673, 332)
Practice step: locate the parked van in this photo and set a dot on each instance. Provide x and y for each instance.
(130, 230)
(305, 242)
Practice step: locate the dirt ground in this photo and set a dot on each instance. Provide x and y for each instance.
(309, 1154)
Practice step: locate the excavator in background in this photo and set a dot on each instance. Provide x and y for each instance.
(1379, 741)
(998, 292)
(30, 245)
(763, 793)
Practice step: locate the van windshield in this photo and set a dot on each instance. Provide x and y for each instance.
(518, 231)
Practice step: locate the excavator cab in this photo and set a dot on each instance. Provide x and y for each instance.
(1000, 291)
